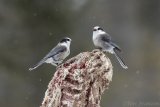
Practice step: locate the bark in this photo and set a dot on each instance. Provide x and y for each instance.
(80, 81)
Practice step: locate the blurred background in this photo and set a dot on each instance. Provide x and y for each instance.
(29, 29)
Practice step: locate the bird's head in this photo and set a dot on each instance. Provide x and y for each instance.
(65, 40)
(98, 30)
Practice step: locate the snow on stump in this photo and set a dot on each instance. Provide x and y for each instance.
(80, 81)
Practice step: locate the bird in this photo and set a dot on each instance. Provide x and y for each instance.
(102, 41)
(57, 54)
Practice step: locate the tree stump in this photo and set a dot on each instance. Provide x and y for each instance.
(80, 81)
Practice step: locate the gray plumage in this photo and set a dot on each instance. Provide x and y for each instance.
(56, 55)
(106, 41)
(102, 40)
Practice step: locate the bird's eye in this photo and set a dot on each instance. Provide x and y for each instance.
(100, 29)
(67, 39)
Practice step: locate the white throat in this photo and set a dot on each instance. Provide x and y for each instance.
(97, 33)
(65, 44)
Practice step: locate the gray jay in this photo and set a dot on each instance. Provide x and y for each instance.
(102, 40)
(57, 54)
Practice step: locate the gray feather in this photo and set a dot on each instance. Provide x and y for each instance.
(37, 65)
(105, 37)
(120, 60)
(115, 46)
(54, 52)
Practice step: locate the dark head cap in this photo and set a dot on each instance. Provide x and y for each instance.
(97, 28)
(66, 39)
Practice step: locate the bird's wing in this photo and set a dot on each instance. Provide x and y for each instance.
(116, 46)
(55, 51)
(105, 37)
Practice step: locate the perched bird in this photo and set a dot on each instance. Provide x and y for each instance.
(102, 40)
(57, 54)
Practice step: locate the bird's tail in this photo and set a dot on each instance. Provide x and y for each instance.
(120, 60)
(37, 65)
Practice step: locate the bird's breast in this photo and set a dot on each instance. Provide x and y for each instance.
(96, 41)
